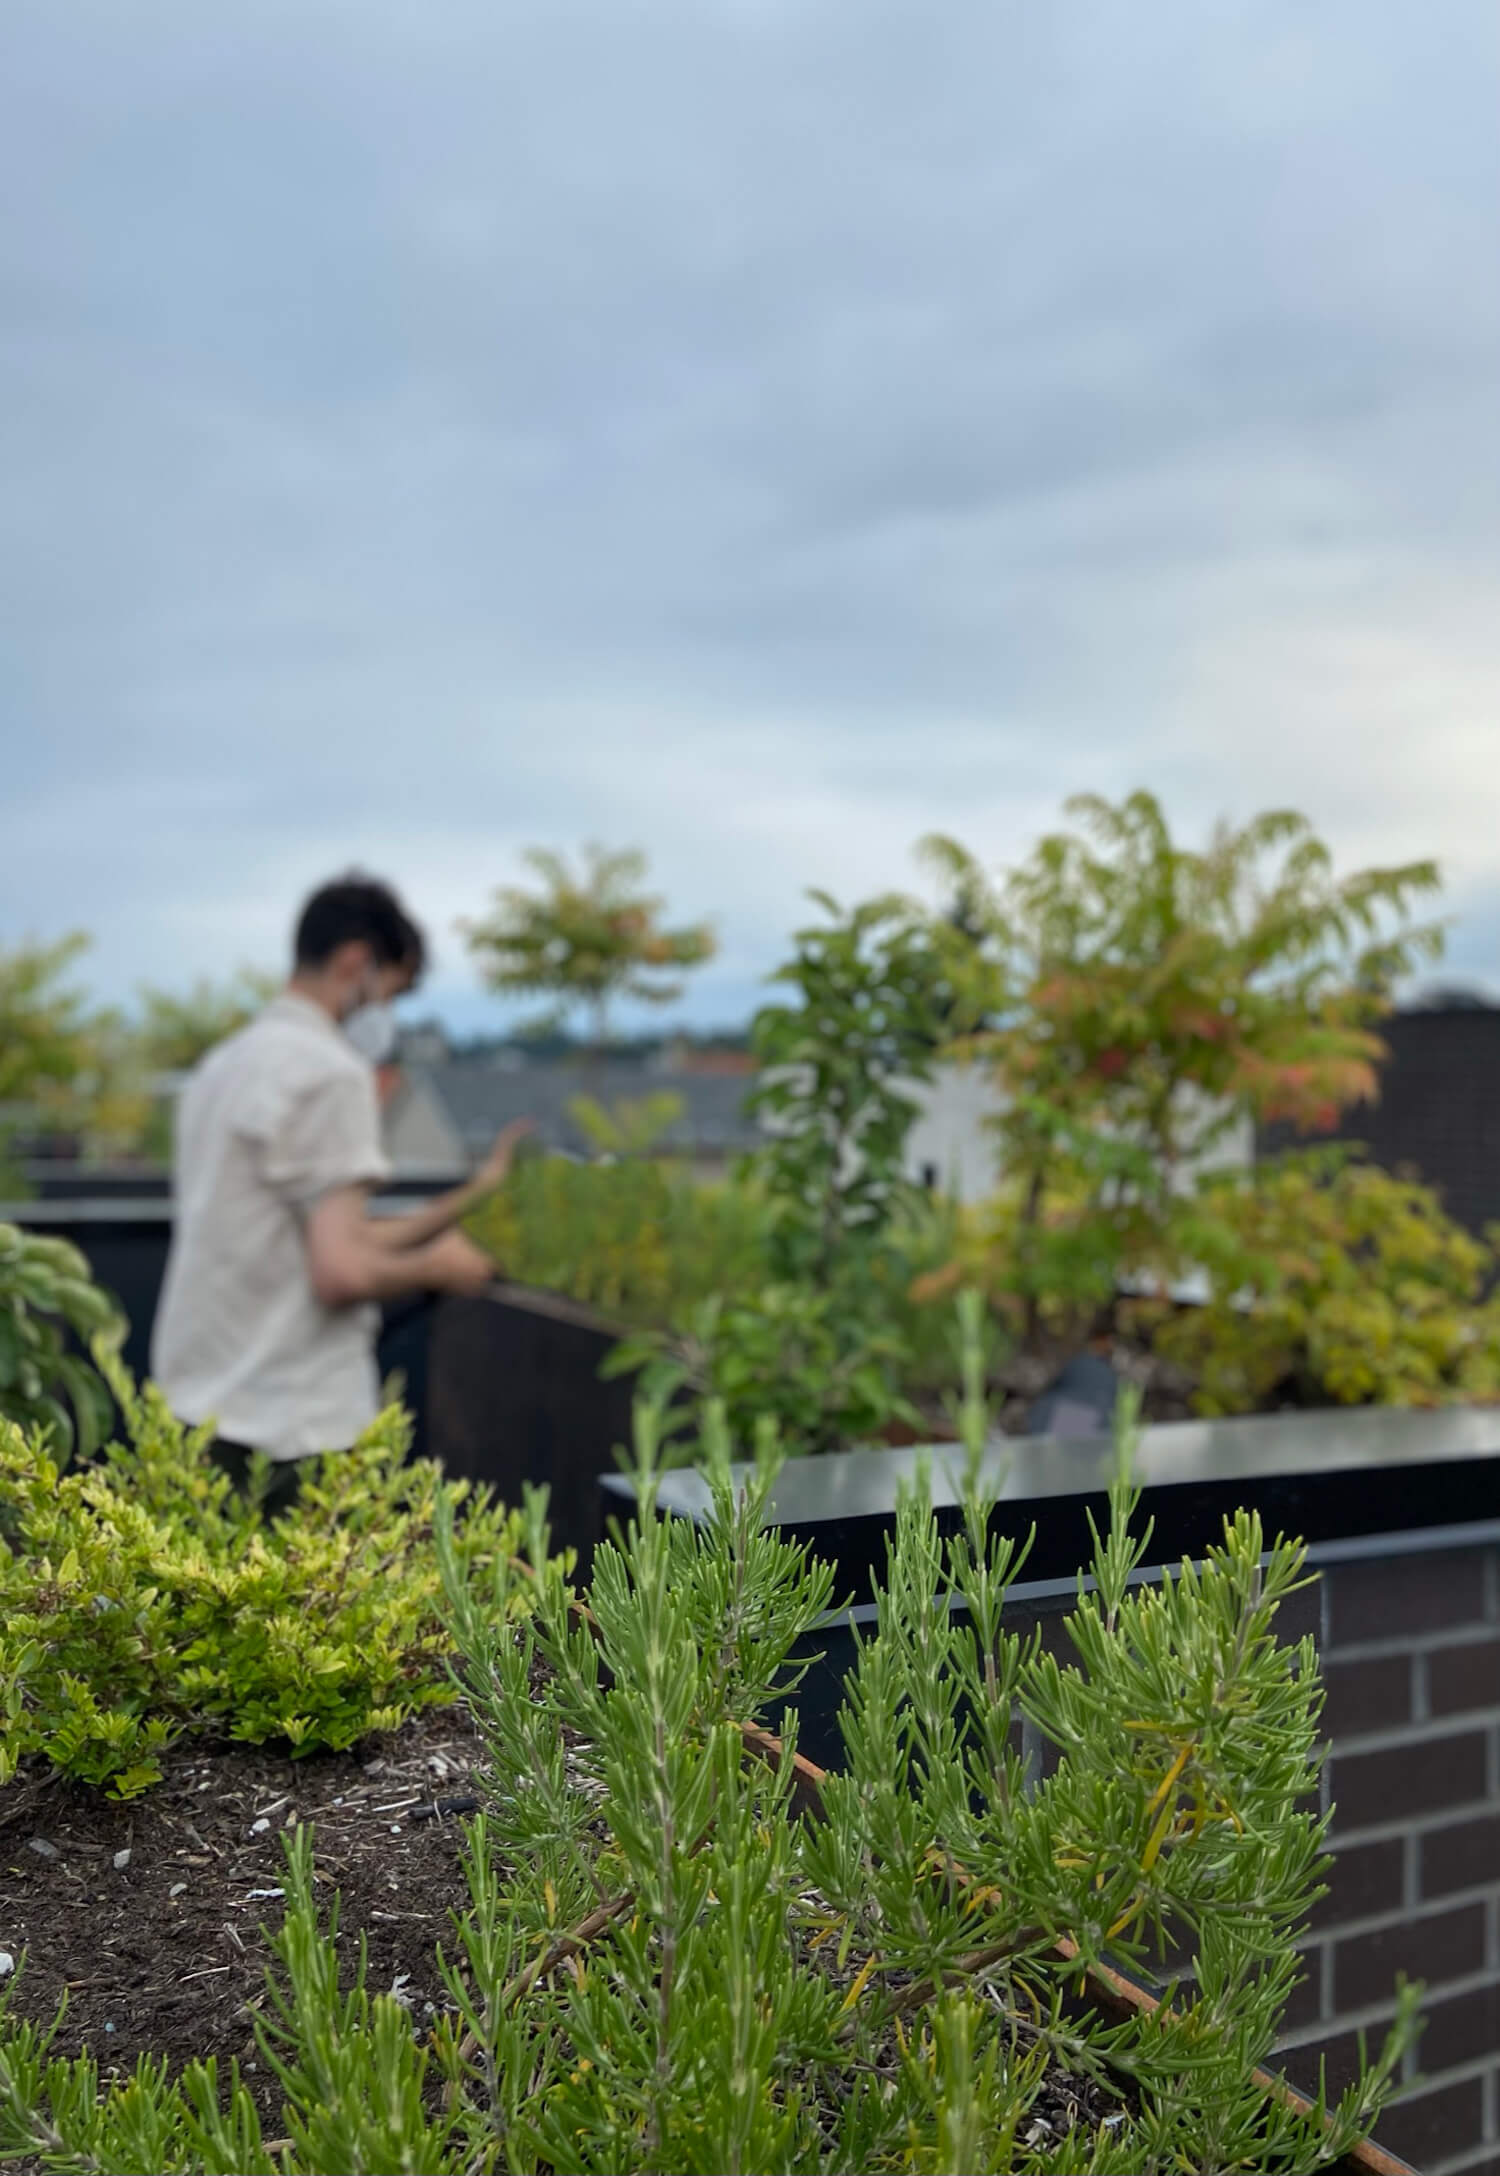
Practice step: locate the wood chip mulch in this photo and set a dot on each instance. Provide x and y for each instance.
(153, 1916)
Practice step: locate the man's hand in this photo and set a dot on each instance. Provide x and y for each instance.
(419, 1227)
(454, 1264)
(494, 1169)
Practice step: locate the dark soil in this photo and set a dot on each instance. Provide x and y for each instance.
(167, 1954)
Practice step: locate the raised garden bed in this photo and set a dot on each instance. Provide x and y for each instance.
(153, 1919)
(568, 1769)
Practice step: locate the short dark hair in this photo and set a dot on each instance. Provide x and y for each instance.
(414, 950)
(356, 909)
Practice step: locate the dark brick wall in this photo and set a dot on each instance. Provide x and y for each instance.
(1410, 1647)
(1407, 1643)
(1439, 1108)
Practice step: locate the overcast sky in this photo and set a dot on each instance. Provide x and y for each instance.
(757, 432)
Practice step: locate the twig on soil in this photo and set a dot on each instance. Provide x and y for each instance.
(920, 1991)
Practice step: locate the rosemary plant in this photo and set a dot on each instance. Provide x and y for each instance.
(665, 1965)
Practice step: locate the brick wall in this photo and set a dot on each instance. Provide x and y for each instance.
(1410, 1646)
(1408, 1633)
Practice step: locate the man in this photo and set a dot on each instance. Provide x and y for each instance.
(271, 1304)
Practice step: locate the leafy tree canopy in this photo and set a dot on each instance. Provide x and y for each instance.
(587, 938)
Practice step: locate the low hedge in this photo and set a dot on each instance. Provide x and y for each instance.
(141, 1597)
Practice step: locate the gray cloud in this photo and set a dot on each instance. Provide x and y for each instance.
(763, 432)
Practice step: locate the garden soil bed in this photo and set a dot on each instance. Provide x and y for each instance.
(154, 1918)
(167, 1953)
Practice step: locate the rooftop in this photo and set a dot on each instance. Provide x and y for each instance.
(478, 1096)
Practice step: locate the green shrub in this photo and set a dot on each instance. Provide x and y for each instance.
(1331, 1279)
(1052, 1272)
(825, 1372)
(632, 1238)
(687, 1268)
(663, 1969)
(141, 1597)
(47, 1291)
(834, 1090)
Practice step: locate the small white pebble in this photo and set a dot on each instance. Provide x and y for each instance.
(258, 1828)
(122, 1860)
(395, 1828)
(7, 1964)
(177, 1888)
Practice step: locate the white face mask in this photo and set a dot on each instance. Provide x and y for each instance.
(372, 1030)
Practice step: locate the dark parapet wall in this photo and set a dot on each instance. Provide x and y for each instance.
(1438, 1112)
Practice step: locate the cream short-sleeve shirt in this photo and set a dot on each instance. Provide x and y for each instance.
(280, 1114)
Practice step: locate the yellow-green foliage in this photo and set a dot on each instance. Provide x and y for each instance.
(1052, 1273)
(632, 1238)
(141, 1597)
(631, 1127)
(1340, 1280)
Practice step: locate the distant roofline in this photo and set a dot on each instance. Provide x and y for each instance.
(1449, 997)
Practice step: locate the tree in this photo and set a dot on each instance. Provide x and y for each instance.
(48, 1034)
(837, 1068)
(176, 1031)
(1149, 998)
(86, 1070)
(585, 940)
(64, 1063)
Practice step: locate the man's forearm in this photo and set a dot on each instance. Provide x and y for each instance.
(444, 1264)
(349, 1261)
(399, 1234)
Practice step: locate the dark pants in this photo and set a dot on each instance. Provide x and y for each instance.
(283, 1478)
